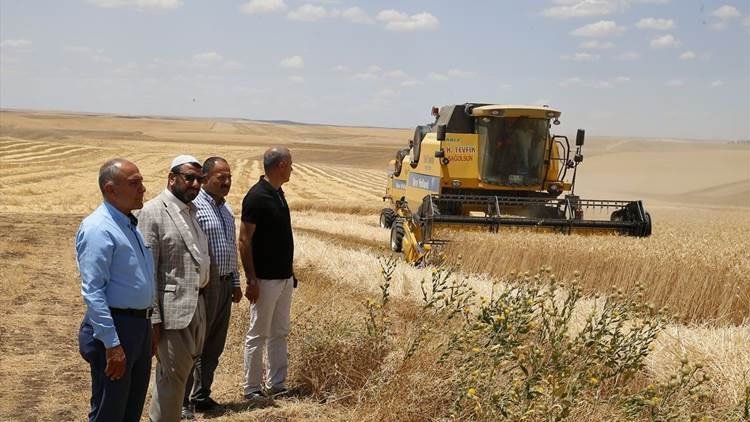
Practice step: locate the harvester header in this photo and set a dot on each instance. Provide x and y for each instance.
(492, 167)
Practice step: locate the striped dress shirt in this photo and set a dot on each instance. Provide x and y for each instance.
(217, 221)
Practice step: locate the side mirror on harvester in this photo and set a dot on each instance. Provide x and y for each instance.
(579, 137)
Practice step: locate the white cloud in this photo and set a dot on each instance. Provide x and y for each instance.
(437, 76)
(340, 68)
(372, 72)
(297, 79)
(311, 13)
(387, 93)
(605, 83)
(746, 21)
(458, 73)
(98, 58)
(599, 29)
(675, 83)
(232, 65)
(396, 74)
(411, 82)
(505, 86)
(400, 21)
(726, 12)
(207, 58)
(356, 15)
(263, 6)
(654, 23)
(16, 44)
(566, 9)
(717, 83)
(365, 76)
(628, 56)
(582, 9)
(688, 55)
(139, 4)
(580, 57)
(596, 44)
(718, 26)
(293, 62)
(570, 82)
(666, 41)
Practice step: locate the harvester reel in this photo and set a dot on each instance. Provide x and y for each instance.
(387, 215)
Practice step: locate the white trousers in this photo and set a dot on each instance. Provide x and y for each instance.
(269, 327)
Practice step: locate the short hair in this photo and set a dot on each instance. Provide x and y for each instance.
(210, 163)
(273, 156)
(109, 171)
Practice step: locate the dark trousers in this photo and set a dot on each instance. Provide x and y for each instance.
(121, 400)
(218, 299)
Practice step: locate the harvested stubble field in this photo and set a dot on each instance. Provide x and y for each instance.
(696, 262)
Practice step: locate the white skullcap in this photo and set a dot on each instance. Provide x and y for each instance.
(184, 159)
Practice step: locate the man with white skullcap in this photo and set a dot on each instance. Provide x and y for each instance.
(181, 261)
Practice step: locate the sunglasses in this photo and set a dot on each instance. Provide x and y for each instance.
(190, 178)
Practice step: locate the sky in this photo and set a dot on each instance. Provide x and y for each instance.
(638, 68)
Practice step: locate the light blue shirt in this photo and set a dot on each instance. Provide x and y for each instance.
(116, 269)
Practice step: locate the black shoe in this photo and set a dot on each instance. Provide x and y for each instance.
(255, 395)
(187, 414)
(277, 392)
(206, 405)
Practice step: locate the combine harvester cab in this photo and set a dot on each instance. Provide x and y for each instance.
(494, 167)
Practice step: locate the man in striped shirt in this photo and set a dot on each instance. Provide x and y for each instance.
(217, 221)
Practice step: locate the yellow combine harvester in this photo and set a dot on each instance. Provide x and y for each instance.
(491, 167)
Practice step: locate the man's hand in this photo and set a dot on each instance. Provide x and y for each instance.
(236, 294)
(253, 291)
(115, 363)
(155, 337)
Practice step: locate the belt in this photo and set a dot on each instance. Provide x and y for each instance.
(140, 313)
(227, 277)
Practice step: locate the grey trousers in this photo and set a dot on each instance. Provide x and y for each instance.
(177, 352)
(218, 298)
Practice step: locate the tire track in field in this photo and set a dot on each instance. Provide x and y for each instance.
(323, 176)
(353, 175)
(12, 145)
(31, 149)
(337, 187)
(303, 184)
(35, 174)
(346, 241)
(54, 151)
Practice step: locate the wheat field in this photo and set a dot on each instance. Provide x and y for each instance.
(696, 262)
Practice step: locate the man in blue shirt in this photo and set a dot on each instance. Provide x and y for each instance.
(117, 284)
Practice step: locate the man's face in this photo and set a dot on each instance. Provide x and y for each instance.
(186, 182)
(126, 191)
(218, 180)
(285, 169)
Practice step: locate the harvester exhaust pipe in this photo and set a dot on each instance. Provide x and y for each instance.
(577, 159)
(441, 129)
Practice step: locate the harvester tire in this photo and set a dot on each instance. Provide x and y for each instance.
(387, 215)
(397, 235)
(647, 226)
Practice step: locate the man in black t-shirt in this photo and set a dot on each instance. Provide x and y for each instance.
(267, 250)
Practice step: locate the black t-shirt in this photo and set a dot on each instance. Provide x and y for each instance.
(273, 245)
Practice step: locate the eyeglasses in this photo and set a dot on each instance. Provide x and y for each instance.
(190, 178)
